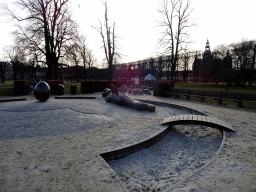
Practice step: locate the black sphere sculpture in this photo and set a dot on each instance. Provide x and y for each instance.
(60, 89)
(42, 91)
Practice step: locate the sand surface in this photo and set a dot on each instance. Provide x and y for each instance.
(176, 157)
(55, 146)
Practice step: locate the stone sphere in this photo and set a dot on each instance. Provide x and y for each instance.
(60, 89)
(42, 91)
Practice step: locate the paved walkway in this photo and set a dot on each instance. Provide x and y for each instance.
(56, 145)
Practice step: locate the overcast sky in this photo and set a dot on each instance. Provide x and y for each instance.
(221, 21)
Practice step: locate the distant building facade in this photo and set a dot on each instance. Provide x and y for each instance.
(210, 69)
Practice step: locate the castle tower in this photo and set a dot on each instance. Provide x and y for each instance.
(207, 57)
(207, 48)
(208, 64)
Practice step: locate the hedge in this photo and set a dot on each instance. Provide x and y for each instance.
(99, 86)
(162, 86)
(21, 87)
(54, 85)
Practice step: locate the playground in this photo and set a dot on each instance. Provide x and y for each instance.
(59, 145)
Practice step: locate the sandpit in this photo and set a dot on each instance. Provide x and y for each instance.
(63, 154)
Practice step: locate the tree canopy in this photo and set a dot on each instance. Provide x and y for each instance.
(45, 26)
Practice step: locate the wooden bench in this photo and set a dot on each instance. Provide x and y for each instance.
(248, 100)
(176, 95)
(168, 94)
(185, 93)
(202, 97)
(216, 95)
(199, 120)
(220, 98)
(242, 98)
(146, 91)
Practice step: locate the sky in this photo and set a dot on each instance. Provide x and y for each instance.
(220, 21)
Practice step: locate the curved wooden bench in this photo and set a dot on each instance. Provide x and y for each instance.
(175, 120)
(199, 120)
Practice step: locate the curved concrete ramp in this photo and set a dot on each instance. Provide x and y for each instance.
(198, 119)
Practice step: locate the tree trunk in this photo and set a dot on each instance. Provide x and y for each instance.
(50, 71)
(15, 71)
(32, 72)
(56, 71)
(173, 68)
(252, 67)
(2, 71)
(110, 71)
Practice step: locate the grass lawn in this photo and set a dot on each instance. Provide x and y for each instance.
(7, 88)
(224, 102)
(6, 91)
(7, 84)
(69, 84)
(67, 89)
(11, 84)
(215, 87)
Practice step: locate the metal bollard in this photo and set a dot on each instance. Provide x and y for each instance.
(73, 89)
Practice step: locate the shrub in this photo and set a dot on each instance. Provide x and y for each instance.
(21, 87)
(54, 85)
(162, 86)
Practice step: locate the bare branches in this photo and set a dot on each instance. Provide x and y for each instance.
(109, 43)
(175, 21)
(48, 28)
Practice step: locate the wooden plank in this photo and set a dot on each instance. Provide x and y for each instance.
(182, 117)
(198, 119)
(209, 119)
(214, 120)
(204, 118)
(169, 119)
(176, 118)
(218, 122)
(185, 117)
(190, 117)
(195, 117)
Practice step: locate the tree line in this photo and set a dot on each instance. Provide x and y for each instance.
(47, 35)
(234, 64)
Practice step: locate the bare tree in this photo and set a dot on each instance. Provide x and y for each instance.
(184, 62)
(160, 66)
(108, 41)
(72, 54)
(86, 54)
(220, 51)
(244, 58)
(175, 21)
(79, 54)
(252, 70)
(47, 26)
(3, 66)
(34, 57)
(17, 57)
